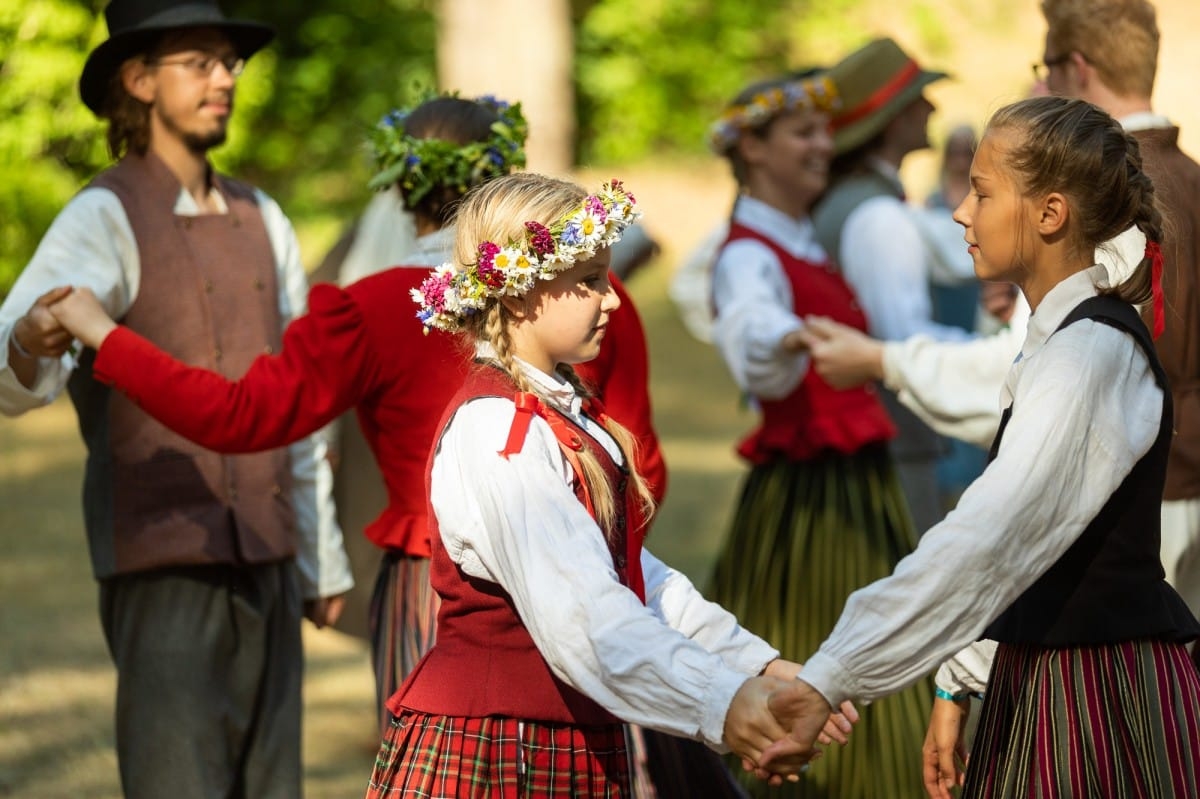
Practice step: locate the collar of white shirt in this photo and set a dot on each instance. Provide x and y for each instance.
(552, 388)
(1145, 120)
(1059, 302)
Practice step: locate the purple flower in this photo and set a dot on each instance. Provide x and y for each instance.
(572, 234)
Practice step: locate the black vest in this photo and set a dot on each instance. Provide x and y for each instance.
(1108, 586)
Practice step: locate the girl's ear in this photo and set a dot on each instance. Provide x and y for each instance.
(1052, 213)
(514, 305)
(138, 79)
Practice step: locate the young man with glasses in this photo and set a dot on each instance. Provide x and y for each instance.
(206, 563)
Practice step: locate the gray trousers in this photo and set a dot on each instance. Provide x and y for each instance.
(209, 667)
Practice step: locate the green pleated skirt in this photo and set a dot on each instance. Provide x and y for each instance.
(805, 535)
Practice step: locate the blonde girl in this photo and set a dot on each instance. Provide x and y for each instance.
(555, 624)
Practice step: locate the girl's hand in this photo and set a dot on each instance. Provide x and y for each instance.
(750, 726)
(840, 724)
(945, 753)
(843, 356)
(83, 315)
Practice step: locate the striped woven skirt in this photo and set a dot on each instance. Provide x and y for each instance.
(805, 535)
(498, 758)
(1115, 721)
(403, 621)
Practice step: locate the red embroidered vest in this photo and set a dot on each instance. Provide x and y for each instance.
(815, 417)
(484, 662)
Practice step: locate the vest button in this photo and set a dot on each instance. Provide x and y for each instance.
(269, 350)
(232, 494)
(187, 223)
(258, 283)
(217, 354)
(275, 489)
(208, 286)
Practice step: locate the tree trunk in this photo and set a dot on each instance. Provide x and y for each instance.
(518, 50)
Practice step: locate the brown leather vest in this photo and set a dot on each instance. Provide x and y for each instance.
(208, 295)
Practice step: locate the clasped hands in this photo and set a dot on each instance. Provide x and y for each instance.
(57, 318)
(775, 723)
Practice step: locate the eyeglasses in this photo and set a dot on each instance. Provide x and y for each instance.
(1041, 71)
(202, 66)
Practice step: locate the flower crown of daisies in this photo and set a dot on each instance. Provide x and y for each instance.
(421, 165)
(449, 296)
(815, 93)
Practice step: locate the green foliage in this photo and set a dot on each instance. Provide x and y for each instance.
(304, 106)
(49, 142)
(653, 74)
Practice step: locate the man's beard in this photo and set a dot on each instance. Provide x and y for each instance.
(202, 143)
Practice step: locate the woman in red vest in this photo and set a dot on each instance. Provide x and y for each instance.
(821, 512)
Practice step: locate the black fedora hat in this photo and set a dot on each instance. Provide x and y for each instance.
(133, 25)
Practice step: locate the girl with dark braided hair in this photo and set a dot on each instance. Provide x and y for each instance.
(1052, 555)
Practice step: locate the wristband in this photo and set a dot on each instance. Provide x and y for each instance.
(942, 693)
(16, 342)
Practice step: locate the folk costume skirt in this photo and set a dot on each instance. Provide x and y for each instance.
(403, 620)
(1114, 721)
(498, 758)
(805, 535)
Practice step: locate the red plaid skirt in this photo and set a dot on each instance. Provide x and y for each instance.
(498, 758)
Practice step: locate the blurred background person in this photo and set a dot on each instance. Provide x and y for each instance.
(821, 511)
(871, 234)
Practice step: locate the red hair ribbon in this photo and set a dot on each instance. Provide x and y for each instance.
(1154, 253)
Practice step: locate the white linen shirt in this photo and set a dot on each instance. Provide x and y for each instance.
(672, 664)
(91, 244)
(885, 261)
(753, 299)
(1086, 408)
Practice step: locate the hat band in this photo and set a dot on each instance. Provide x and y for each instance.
(881, 97)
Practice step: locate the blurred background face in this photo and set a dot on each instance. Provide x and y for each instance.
(908, 132)
(790, 158)
(960, 148)
(194, 86)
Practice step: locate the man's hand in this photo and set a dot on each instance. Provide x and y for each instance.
(944, 754)
(38, 332)
(324, 611)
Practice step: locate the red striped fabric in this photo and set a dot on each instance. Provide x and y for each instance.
(403, 619)
(1117, 721)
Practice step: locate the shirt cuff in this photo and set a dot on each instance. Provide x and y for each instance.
(893, 354)
(712, 726)
(830, 679)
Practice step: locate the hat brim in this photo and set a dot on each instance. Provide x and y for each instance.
(246, 37)
(862, 131)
